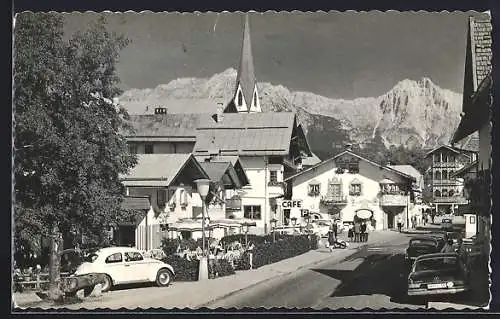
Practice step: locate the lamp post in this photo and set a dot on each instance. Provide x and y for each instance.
(294, 223)
(273, 228)
(408, 210)
(203, 186)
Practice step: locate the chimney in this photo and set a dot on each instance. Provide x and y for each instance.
(348, 147)
(220, 112)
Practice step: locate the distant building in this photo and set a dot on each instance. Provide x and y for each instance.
(446, 191)
(418, 186)
(350, 187)
(477, 104)
(310, 161)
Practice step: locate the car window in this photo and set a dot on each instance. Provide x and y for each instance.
(133, 256)
(422, 242)
(90, 258)
(442, 263)
(114, 258)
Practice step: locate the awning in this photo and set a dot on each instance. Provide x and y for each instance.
(364, 213)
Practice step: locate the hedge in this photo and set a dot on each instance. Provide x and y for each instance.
(219, 268)
(285, 247)
(169, 245)
(185, 270)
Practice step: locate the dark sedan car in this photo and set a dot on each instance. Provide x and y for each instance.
(437, 274)
(440, 236)
(420, 246)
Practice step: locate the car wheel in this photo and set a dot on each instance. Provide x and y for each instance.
(164, 277)
(107, 283)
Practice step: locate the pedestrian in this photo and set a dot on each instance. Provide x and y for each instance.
(335, 230)
(357, 231)
(400, 223)
(331, 239)
(363, 232)
(413, 221)
(350, 232)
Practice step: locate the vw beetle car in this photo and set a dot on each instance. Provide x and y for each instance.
(123, 265)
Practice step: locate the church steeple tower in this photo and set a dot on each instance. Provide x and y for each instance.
(246, 98)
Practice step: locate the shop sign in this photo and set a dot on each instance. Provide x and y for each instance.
(287, 204)
(364, 213)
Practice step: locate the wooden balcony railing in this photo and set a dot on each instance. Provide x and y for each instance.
(334, 200)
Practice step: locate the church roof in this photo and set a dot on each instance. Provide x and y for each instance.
(173, 105)
(246, 75)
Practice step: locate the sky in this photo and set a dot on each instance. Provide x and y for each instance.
(337, 54)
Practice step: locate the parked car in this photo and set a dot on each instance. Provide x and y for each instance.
(437, 274)
(440, 236)
(420, 245)
(446, 223)
(122, 265)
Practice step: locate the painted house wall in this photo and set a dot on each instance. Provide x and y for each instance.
(369, 176)
(259, 192)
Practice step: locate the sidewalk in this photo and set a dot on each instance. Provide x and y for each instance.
(200, 293)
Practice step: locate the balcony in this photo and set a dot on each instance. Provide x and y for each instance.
(450, 200)
(447, 165)
(276, 184)
(446, 182)
(334, 200)
(393, 200)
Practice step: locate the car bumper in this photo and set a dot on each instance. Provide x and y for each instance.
(444, 291)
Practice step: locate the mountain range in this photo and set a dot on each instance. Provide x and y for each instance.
(414, 113)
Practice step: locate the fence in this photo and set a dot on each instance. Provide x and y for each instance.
(37, 282)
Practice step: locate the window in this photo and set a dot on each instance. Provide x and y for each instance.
(240, 98)
(451, 192)
(314, 189)
(148, 148)
(355, 189)
(132, 148)
(255, 99)
(161, 197)
(252, 212)
(133, 256)
(353, 168)
(437, 193)
(273, 176)
(115, 258)
(334, 190)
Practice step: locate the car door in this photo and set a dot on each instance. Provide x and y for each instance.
(136, 268)
(115, 267)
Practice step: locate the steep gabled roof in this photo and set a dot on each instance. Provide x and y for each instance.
(470, 143)
(136, 203)
(480, 37)
(246, 75)
(355, 155)
(173, 105)
(248, 134)
(451, 148)
(408, 170)
(162, 170)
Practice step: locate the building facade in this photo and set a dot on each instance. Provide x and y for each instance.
(349, 187)
(446, 191)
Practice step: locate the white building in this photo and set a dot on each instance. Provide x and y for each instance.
(348, 187)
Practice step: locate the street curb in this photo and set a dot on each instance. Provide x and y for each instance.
(205, 304)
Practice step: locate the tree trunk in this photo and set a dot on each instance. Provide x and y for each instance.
(55, 265)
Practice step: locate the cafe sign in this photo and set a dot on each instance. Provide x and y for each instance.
(288, 204)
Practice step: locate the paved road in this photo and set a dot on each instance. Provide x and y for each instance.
(374, 277)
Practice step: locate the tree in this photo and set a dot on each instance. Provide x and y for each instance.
(68, 149)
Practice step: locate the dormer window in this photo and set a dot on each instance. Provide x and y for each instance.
(240, 98)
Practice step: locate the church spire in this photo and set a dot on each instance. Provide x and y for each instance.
(246, 96)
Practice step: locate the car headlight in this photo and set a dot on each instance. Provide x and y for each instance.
(449, 284)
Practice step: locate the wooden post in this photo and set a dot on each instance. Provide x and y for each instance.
(55, 264)
(251, 259)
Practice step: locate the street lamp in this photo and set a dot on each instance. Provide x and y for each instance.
(273, 226)
(203, 186)
(247, 229)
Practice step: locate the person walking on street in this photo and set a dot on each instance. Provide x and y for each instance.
(331, 239)
(350, 232)
(363, 232)
(357, 231)
(413, 221)
(335, 230)
(400, 223)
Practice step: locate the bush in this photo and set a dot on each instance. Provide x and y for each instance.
(284, 247)
(170, 245)
(184, 269)
(219, 268)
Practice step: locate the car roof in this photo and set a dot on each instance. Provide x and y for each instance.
(436, 255)
(112, 250)
(428, 238)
